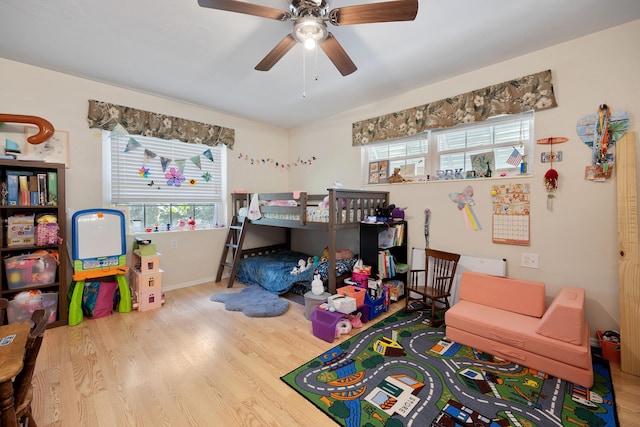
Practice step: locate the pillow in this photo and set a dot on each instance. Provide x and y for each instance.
(564, 319)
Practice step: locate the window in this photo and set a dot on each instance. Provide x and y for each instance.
(440, 153)
(165, 183)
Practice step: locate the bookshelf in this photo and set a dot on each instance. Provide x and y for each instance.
(381, 243)
(27, 263)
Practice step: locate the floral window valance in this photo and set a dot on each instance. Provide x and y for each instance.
(533, 92)
(106, 116)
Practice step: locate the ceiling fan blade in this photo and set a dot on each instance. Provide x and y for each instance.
(276, 53)
(246, 8)
(391, 11)
(337, 55)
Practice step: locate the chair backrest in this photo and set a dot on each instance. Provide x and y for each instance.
(22, 382)
(441, 269)
(4, 305)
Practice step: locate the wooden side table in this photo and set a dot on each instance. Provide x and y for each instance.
(11, 361)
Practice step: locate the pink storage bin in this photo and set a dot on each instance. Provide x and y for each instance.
(360, 278)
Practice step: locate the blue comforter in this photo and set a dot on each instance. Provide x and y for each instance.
(273, 271)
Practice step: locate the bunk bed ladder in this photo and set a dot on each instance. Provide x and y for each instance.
(235, 237)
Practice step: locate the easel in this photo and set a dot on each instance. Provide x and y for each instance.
(99, 250)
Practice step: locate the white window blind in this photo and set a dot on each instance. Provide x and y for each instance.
(198, 169)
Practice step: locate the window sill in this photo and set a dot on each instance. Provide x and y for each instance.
(438, 181)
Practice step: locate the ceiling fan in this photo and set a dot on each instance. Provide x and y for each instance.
(310, 19)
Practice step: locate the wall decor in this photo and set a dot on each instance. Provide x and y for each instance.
(465, 201)
(55, 149)
(600, 132)
(511, 214)
(378, 172)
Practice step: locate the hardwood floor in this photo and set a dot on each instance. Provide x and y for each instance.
(192, 363)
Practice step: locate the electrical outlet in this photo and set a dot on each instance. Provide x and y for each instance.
(529, 260)
(174, 244)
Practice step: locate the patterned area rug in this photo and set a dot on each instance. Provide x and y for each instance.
(401, 372)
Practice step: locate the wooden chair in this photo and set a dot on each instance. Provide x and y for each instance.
(430, 288)
(22, 387)
(4, 305)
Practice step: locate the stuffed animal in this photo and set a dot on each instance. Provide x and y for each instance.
(356, 320)
(396, 177)
(317, 287)
(324, 204)
(343, 327)
(302, 266)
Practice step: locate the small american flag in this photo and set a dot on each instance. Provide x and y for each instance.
(515, 158)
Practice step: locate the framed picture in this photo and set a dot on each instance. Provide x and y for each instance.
(378, 172)
(483, 164)
(55, 149)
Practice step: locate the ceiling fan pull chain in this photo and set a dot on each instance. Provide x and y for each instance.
(304, 80)
(315, 51)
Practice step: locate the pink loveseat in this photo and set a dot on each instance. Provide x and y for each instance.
(508, 318)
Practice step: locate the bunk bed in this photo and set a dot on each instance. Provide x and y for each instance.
(338, 210)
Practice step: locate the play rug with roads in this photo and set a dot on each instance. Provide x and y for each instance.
(402, 372)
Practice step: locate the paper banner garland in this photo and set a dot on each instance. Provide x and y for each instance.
(132, 145)
(174, 176)
(465, 202)
(275, 163)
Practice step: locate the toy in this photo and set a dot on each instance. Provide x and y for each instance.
(317, 288)
(396, 177)
(302, 266)
(324, 204)
(384, 213)
(343, 327)
(356, 320)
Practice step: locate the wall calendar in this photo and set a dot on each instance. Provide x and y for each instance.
(511, 214)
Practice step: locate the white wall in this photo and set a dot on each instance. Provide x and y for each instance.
(63, 100)
(577, 241)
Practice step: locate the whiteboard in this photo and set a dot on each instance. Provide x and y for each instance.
(494, 266)
(98, 233)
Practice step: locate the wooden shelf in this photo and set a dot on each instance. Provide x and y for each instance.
(6, 210)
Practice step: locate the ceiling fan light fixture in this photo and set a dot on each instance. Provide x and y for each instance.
(310, 31)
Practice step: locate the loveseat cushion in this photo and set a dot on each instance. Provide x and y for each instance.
(564, 319)
(516, 331)
(519, 296)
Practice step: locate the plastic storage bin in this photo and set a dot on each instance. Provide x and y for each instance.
(355, 292)
(21, 308)
(360, 278)
(30, 270)
(610, 345)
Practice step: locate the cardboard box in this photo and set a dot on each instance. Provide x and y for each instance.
(20, 230)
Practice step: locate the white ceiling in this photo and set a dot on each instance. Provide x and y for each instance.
(178, 50)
